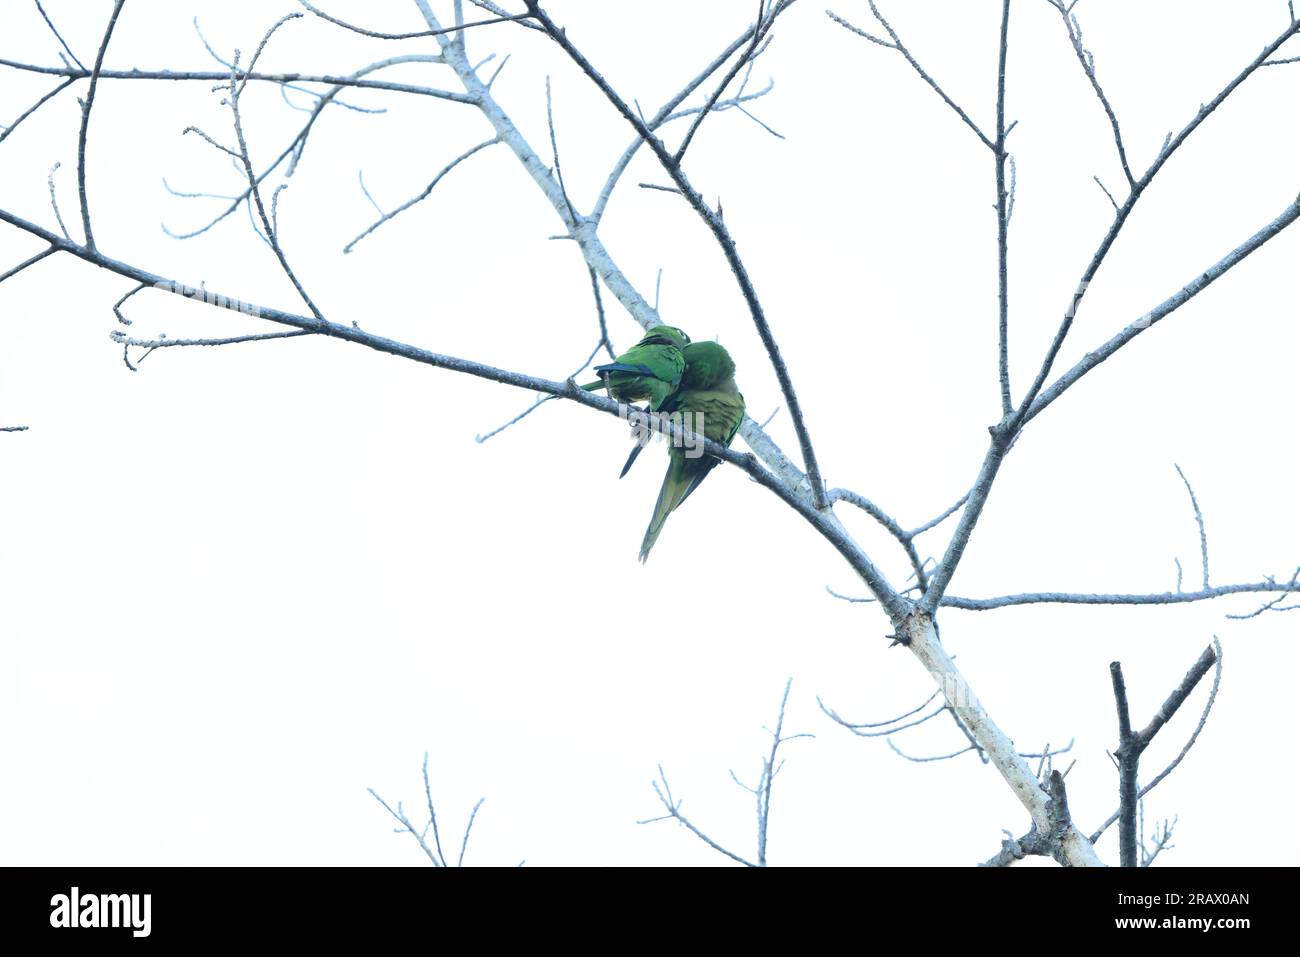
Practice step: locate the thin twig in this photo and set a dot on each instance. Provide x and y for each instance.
(163, 342)
(761, 26)
(27, 262)
(255, 192)
(1004, 214)
(85, 123)
(1200, 525)
(600, 313)
(54, 200)
(1267, 586)
(849, 598)
(378, 35)
(1272, 605)
(926, 760)
(898, 45)
(1003, 435)
(58, 36)
(884, 731)
(888, 523)
(574, 219)
(460, 860)
(875, 724)
(937, 520)
(674, 809)
(353, 80)
(1085, 60)
(34, 107)
(293, 152)
(539, 401)
(1030, 406)
(386, 217)
(1114, 205)
(860, 32)
(1180, 298)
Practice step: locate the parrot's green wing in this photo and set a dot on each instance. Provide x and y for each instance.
(722, 414)
(651, 369)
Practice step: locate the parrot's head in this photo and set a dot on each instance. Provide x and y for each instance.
(667, 336)
(707, 364)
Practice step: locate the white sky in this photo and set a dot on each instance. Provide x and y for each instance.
(245, 584)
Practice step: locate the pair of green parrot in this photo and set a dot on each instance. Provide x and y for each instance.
(676, 376)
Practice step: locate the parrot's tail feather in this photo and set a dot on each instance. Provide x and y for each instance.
(592, 386)
(700, 474)
(675, 487)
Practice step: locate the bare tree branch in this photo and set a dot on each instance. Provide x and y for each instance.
(54, 201)
(58, 36)
(927, 760)
(897, 44)
(1133, 744)
(1107, 349)
(34, 107)
(882, 729)
(1003, 207)
(1200, 525)
(939, 518)
(1163, 841)
(852, 726)
(377, 35)
(538, 402)
(879, 514)
(1273, 605)
(1127, 755)
(1087, 598)
(1046, 808)
(236, 89)
(293, 152)
(433, 852)
(762, 792)
(1114, 205)
(351, 81)
(1051, 840)
(1003, 434)
(1030, 406)
(669, 112)
(385, 217)
(714, 221)
(32, 261)
(163, 342)
(674, 813)
(85, 122)
(762, 24)
(1075, 33)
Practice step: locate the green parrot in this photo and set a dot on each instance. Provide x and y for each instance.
(651, 369)
(709, 404)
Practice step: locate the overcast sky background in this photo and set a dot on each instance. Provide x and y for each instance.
(242, 585)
